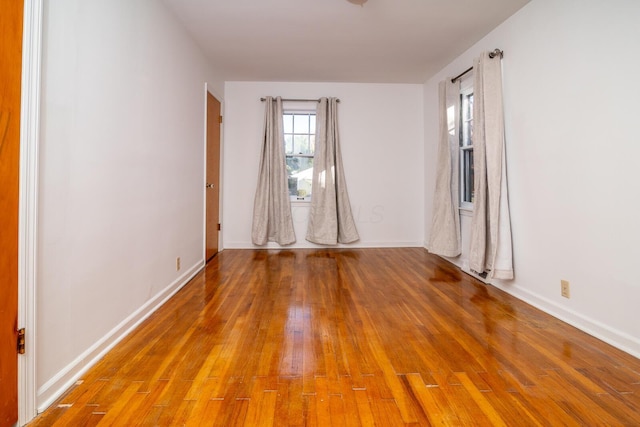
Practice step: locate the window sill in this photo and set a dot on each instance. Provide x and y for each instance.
(300, 202)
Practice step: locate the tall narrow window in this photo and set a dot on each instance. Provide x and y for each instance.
(299, 148)
(466, 147)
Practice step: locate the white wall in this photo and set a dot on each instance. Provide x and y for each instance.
(121, 180)
(381, 137)
(571, 99)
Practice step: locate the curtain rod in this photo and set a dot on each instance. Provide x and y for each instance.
(493, 54)
(297, 100)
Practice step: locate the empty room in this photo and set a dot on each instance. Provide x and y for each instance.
(319, 213)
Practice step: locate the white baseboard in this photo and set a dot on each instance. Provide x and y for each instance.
(308, 245)
(66, 377)
(612, 336)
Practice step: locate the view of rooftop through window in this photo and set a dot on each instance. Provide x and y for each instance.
(299, 147)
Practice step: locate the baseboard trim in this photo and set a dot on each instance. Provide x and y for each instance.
(66, 377)
(308, 245)
(603, 332)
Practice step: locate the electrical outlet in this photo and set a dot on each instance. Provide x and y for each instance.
(178, 264)
(564, 289)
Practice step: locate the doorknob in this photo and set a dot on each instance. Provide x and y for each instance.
(210, 185)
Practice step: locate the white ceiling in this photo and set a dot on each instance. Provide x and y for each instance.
(384, 41)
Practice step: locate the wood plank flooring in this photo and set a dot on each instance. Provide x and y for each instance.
(385, 337)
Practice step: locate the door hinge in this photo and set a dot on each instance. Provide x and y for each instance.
(21, 341)
(218, 227)
(220, 119)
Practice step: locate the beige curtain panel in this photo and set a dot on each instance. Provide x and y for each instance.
(330, 217)
(490, 243)
(272, 220)
(445, 225)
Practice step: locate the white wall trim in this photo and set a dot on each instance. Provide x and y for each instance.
(303, 244)
(616, 338)
(66, 377)
(28, 207)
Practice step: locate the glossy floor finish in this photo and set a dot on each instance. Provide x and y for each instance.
(385, 337)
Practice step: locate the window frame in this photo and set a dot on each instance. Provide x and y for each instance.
(465, 145)
(312, 133)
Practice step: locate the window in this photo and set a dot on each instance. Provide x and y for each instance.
(299, 148)
(466, 145)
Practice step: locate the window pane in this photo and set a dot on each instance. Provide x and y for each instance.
(467, 133)
(470, 119)
(467, 176)
(287, 120)
(301, 144)
(297, 164)
(312, 144)
(467, 107)
(301, 123)
(467, 120)
(288, 144)
(312, 123)
(300, 171)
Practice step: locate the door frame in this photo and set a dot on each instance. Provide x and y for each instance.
(209, 89)
(28, 205)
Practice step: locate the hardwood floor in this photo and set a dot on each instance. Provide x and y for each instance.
(386, 337)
